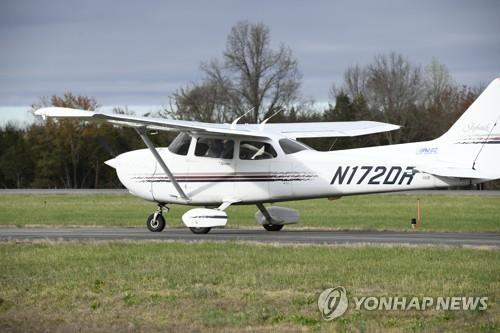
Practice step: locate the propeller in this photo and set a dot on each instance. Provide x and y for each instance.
(105, 145)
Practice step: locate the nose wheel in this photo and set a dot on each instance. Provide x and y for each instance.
(156, 221)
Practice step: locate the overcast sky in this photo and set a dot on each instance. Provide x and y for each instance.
(137, 53)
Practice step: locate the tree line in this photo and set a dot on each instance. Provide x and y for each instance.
(251, 76)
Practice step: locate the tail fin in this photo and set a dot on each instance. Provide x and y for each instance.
(478, 123)
(472, 144)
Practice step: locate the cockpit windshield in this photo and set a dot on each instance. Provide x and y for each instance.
(255, 150)
(291, 146)
(180, 145)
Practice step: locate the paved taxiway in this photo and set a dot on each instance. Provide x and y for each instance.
(256, 235)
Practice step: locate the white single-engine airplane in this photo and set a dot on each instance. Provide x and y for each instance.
(218, 165)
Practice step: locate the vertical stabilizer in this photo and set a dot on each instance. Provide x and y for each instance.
(473, 142)
(477, 124)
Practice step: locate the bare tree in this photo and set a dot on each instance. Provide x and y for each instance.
(441, 98)
(391, 90)
(251, 74)
(202, 102)
(439, 86)
(355, 82)
(394, 87)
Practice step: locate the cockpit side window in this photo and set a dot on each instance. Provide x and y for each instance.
(291, 146)
(215, 148)
(254, 150)
(180, 145)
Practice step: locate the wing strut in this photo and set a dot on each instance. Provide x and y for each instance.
(265, 212)
(144, 137)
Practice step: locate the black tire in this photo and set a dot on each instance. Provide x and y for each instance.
(156, 226)
(273, 227)
(200, 231)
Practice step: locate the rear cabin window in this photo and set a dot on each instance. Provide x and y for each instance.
(291, 147)
(180, 145)
(215, 148)
(254, 150)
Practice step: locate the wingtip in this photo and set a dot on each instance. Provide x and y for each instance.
(40, 112)
(60, 112)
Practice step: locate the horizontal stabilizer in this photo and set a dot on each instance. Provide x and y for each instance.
(456, 172)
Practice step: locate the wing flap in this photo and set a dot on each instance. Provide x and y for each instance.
(325, 129)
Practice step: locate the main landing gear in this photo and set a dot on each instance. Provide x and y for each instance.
(273, 227)
(270, 224)
(156, 221)
(273, 218)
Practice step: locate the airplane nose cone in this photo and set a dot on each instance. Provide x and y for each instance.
(112, 162)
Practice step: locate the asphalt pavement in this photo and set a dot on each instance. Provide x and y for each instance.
(290, 236)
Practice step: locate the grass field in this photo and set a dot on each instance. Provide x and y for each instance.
(60, 287)
(390, 212)
(230, 286)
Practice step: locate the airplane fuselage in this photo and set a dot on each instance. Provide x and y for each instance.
(301, 175)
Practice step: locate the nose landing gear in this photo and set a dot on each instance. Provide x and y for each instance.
(156, 221)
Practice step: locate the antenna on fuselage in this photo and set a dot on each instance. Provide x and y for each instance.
(261, 125)
(233, 124)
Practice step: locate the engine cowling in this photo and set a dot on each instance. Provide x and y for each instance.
(280, 215)
(204, 218)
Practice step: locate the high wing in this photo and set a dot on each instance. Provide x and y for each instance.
(291, 130)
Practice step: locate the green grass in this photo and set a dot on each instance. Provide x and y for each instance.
(51, 286)
(392, 212)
